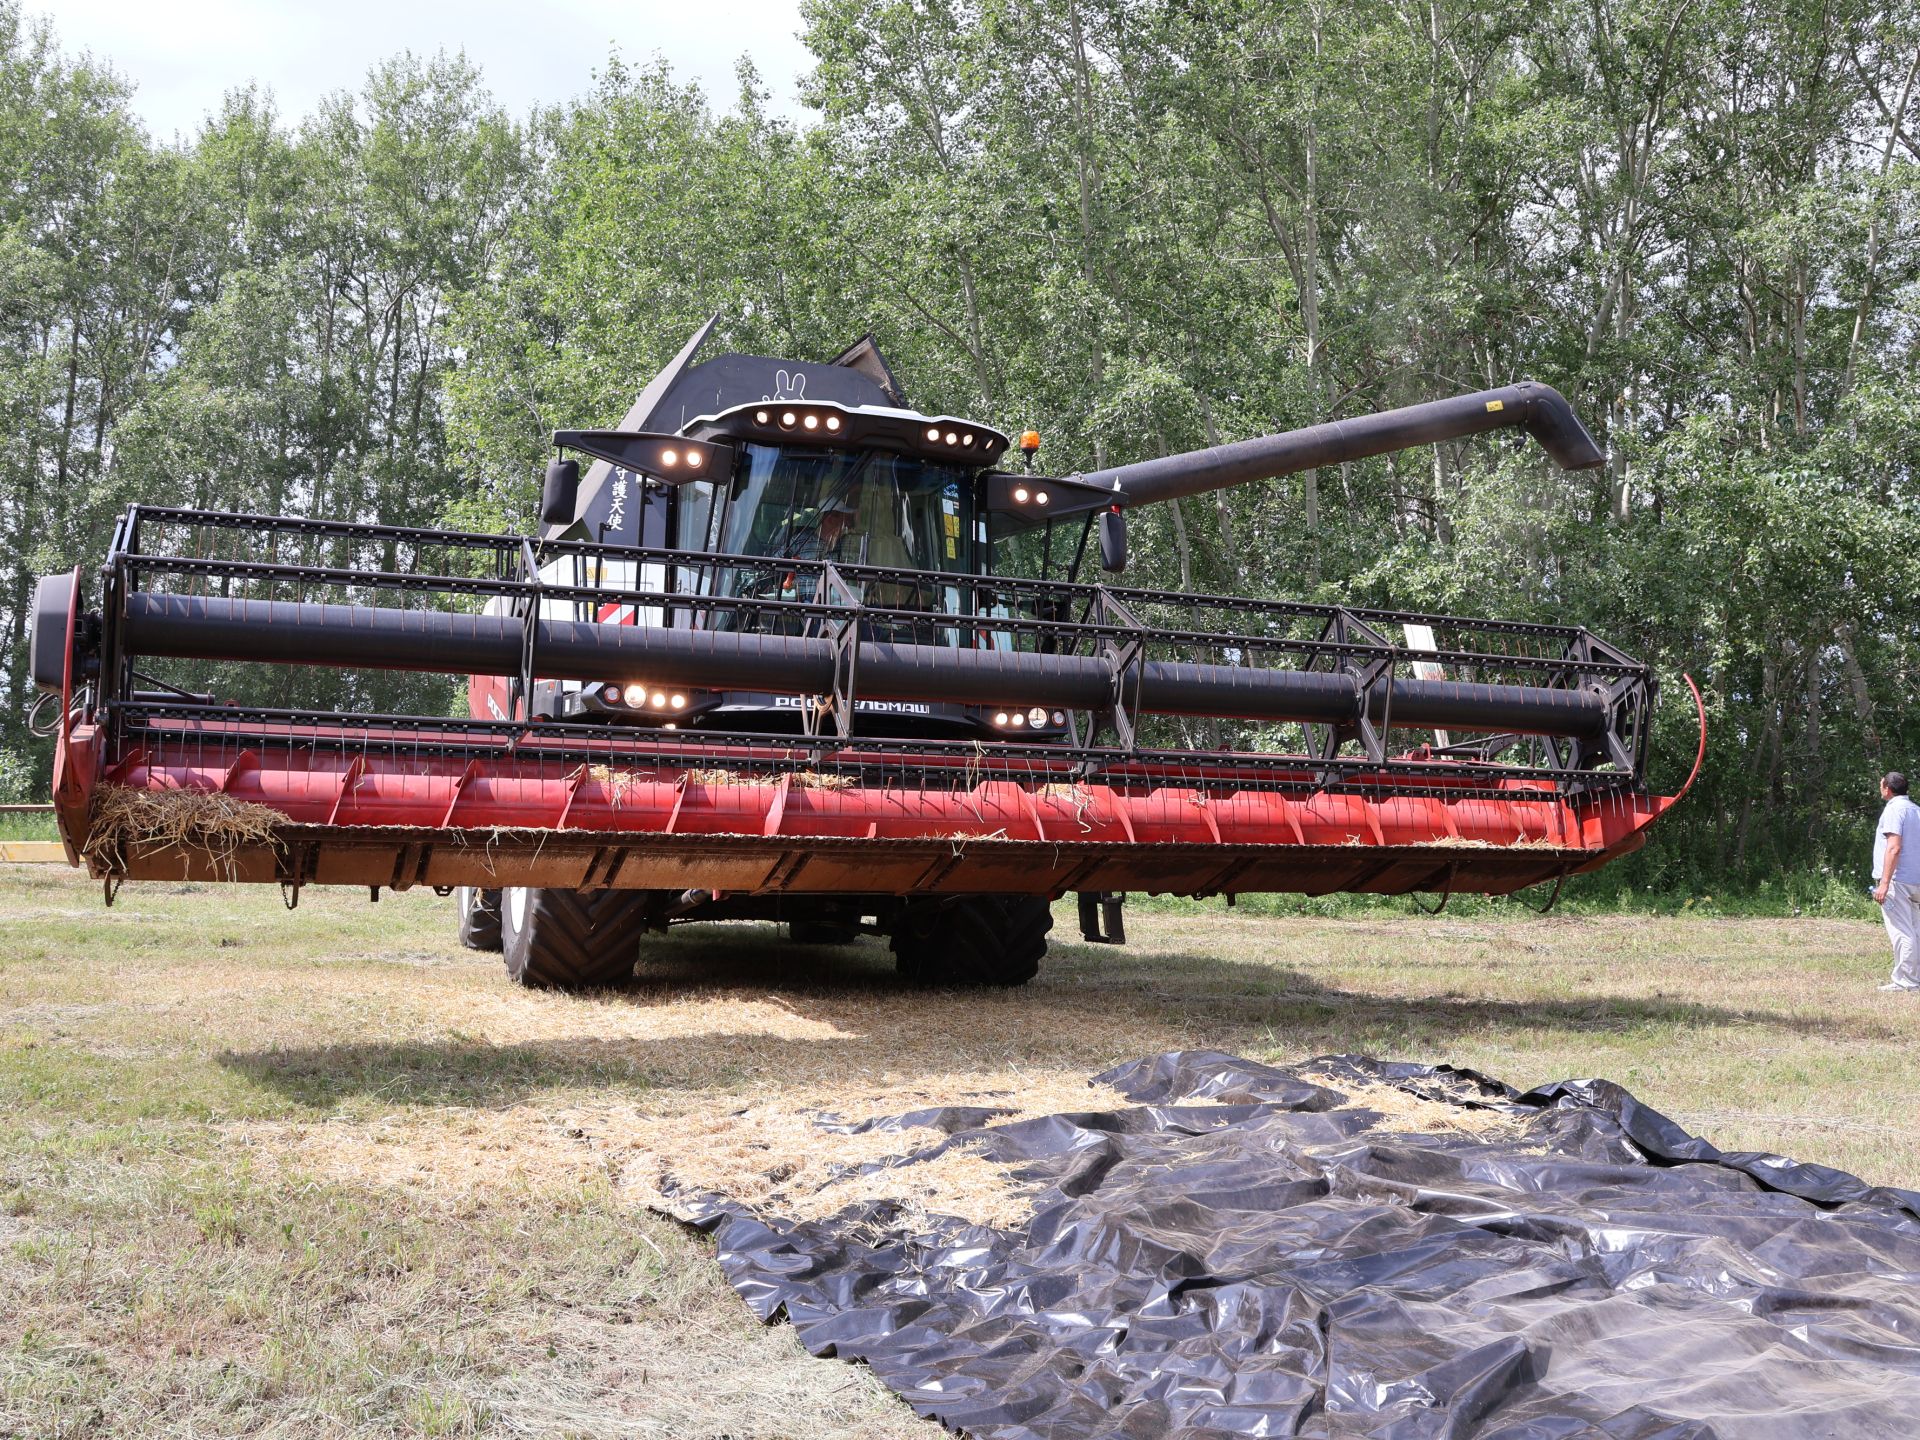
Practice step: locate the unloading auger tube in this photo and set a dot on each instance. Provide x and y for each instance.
(1538, 409)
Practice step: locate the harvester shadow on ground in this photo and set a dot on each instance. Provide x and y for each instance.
(823, 1015)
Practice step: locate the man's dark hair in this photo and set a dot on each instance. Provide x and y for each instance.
(1895, 782)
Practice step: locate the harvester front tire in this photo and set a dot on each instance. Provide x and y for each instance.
(572, 939)
(479, 917)
(979, 942)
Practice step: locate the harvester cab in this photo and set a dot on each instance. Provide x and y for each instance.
(817, 463)
(761, 661)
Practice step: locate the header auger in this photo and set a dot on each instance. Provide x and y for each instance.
(760, 664)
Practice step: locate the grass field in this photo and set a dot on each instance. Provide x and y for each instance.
(32, 825)
(324, 1173)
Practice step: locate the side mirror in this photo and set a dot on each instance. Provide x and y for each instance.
(561, 492)
(1113, 540)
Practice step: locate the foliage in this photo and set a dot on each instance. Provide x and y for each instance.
(16, 777)
(1143, 225)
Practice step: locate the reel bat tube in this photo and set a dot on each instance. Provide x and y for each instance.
(442, 642)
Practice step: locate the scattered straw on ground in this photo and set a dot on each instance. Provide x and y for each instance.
(1408, 1114)
(450, 1154)
(961, 1182)
(207, 821)
(778, 1157)
(781, 1157)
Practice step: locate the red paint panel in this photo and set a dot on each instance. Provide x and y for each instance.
(1139, 829)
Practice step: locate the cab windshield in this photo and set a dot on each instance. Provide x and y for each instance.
(853, 508)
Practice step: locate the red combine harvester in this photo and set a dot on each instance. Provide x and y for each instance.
(765, 661)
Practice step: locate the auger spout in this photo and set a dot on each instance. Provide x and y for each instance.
(1538, 409)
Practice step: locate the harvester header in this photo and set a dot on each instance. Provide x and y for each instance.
(762, 663)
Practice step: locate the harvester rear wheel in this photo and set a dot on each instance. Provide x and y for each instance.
(976, 941)
(479, 917)
(572, 939)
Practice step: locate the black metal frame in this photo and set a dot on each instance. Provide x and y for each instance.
(1324, 741)
(1348, 640)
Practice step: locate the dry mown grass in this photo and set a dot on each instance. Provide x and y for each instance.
(326, 1174)
(1407, 1114)
(787, 1157)
(778, 1157)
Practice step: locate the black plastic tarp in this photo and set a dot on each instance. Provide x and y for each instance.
(1280, 1260)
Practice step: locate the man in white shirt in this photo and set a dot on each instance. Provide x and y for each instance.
(1896, 879)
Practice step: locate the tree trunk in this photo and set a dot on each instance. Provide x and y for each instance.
(1865, 307)
(1222, 512)
(1310, 312)
(1084, 173)
(1857, 688)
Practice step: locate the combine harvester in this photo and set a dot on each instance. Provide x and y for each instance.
(764, 661)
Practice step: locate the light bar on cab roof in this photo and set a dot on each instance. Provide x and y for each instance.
(930, 437)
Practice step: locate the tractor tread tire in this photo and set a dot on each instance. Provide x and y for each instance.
(575, 939)
(979, 942)
(479, 917)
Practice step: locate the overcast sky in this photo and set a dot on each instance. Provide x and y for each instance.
(184, 56)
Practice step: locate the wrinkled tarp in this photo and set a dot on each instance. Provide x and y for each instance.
(1279, 1262)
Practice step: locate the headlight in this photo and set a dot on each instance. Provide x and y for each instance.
(636, 694)
(1036, 717)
